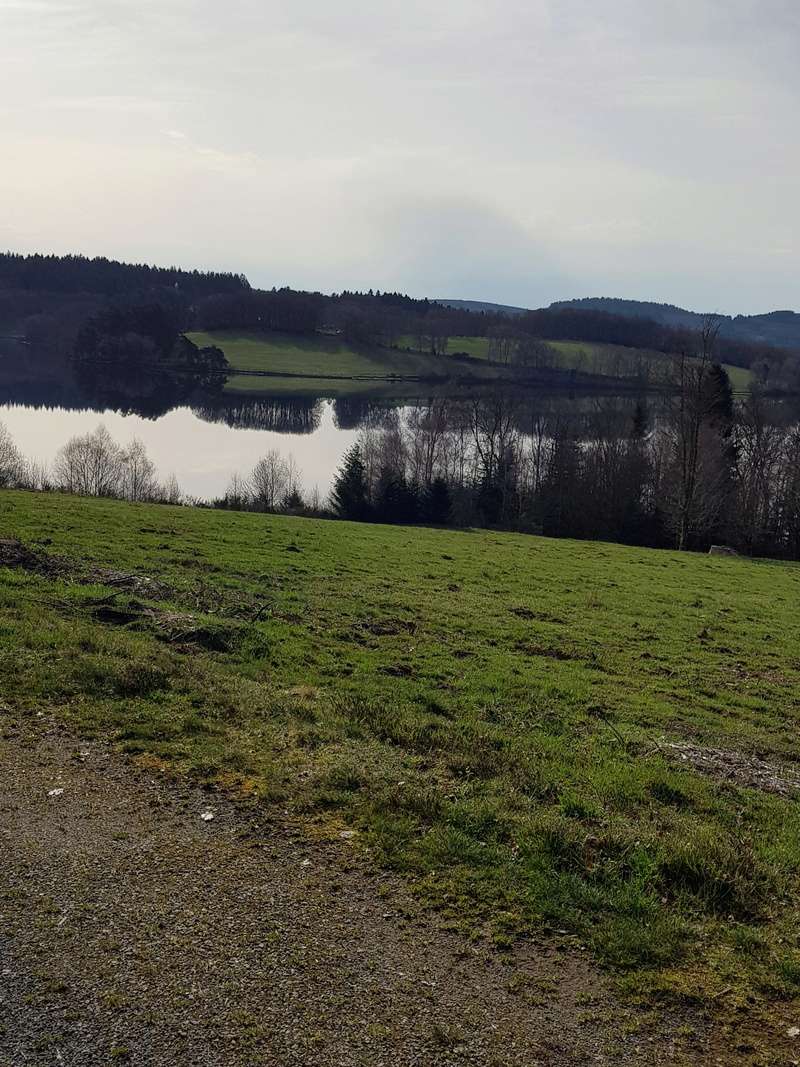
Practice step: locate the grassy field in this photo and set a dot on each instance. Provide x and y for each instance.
(579, 354)
(493, 713)
(332, 366)
(314, 358)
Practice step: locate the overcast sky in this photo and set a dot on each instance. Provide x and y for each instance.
(519, 151)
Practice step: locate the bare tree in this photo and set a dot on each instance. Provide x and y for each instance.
(426, 429)
(761, 456)
(433, 335)
(788, 496)
(533, 353)
(11, 462)
(268, 481)
(170, 491)
(237, 494)
(690, 507)
(292, 477)
(34, 474)
(90, 464)
(138, 472)
(503, 344)
(494, 432)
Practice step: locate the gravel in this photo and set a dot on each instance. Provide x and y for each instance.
(135, 931)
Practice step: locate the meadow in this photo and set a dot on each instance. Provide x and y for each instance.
(336, 366)
(585, 739)
(580, 355)
(325, 358)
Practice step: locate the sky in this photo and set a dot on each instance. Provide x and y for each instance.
(517, 151)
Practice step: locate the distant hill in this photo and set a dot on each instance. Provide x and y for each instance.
(775, 328)
(479, 306)
(779, 328)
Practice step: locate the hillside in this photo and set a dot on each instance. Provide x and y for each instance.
(482, 306)
(319, 356)
(779, 328)
(541, 735)
(278, 362)
(603, 359)
(266, 361)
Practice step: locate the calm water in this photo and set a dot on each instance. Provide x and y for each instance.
(204, 438)
(202, 455)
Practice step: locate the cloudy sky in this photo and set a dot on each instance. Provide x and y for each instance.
(518, 151)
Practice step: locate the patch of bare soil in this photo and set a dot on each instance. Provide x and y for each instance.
(176, 627)
(737, 767)
(16, 555)
(140, 584)
(134, 930)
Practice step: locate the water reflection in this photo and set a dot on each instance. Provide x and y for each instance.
(40, 378)
(204, 434)
(285, 414)
(352, 412)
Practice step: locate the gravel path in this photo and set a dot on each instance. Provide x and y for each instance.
(133, 932)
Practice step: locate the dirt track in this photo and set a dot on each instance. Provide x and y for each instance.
(131, 931)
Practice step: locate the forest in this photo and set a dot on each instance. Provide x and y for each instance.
(48, 300)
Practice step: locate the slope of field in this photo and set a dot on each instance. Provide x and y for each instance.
(482, 305)
(579, 354)
(295, 364)
(319, 356)
(582, 355)
(540, 734)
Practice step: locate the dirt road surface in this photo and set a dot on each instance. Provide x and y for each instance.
(134, 932)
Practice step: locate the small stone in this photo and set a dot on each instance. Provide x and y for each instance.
(207, 816)
(793, 1031)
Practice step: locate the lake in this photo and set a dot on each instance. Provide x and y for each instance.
(201, 454)
(204, 439)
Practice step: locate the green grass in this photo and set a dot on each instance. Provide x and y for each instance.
(316, 357)
(331, 366)
(486, 709)
(741, 378)
(477, 347)
(579, 354)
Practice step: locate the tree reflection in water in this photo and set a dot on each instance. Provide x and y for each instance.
(283, 414)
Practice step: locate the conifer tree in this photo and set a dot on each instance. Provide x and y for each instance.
(349, 495)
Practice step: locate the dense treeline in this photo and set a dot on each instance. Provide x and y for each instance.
(143, 336)
(107, 277)
(777, 328)
(699, 471)
(285, 310)
(586, 324)
(48, 299)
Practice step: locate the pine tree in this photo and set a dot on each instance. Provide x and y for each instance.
(349, 495)
(397, 501)
(436, 503)
(718, 397)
